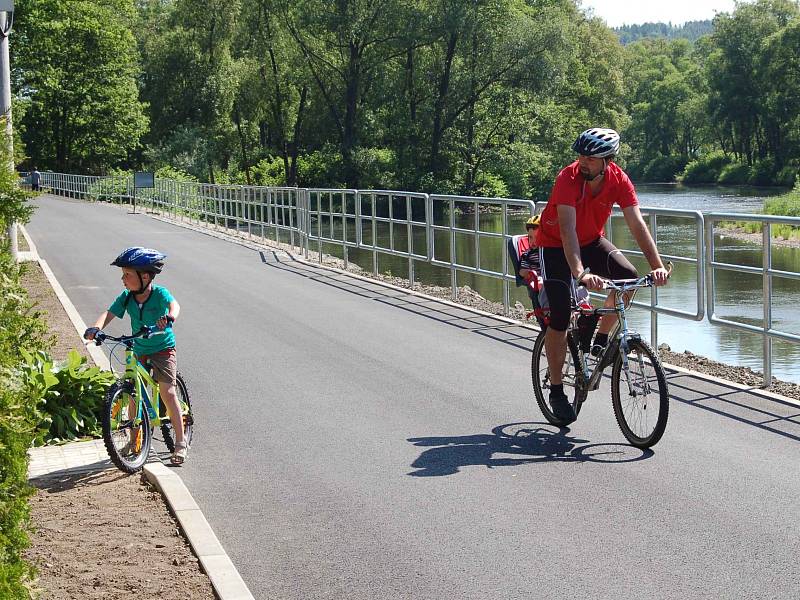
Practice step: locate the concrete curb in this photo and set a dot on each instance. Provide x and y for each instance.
(224, 576)
(227, 582)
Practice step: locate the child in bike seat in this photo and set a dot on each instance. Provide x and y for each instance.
(149, 305)
(525, 256)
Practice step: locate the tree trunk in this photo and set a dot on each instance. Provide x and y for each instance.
(237, 119)
(435, 165)
(349, 130)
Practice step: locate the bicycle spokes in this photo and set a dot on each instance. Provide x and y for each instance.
(641, 402)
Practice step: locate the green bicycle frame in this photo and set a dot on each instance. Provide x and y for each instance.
(142, 380)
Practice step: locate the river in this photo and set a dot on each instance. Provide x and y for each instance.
(738, 297)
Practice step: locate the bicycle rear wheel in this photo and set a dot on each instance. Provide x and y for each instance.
(185, 402)
(127, 438)
(640, 397)
(570, 377)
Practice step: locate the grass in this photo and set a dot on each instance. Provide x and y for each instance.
(786, 205)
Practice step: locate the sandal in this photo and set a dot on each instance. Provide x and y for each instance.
(179, 454)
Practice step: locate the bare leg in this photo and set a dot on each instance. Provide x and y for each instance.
(170, 399)
(555, 345)
(607, 322)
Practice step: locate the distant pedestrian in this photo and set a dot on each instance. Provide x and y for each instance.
(36, 178)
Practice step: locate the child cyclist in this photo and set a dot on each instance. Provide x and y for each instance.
(149, 305)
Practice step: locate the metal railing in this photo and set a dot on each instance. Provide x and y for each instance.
(694, 218)
(422, 228)
(765, 271)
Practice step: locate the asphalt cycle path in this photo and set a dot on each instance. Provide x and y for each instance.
(355, 441)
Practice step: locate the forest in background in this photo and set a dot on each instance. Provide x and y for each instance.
(479, 98)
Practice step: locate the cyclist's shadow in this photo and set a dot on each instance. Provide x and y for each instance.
(526, 442)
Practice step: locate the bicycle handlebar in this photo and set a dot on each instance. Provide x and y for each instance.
(624, 285)
(145, 332)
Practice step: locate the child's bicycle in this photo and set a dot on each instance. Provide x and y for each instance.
(133, 408)
(638, 383)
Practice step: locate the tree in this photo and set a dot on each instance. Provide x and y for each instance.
(191, 80)
(666, 103)
(736, 81)
(780, 64)
(345, 44)
(75, 68)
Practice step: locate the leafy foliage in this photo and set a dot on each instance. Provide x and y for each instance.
(71, 393)
(691, 30)
(21, 330)
(76, 66)
(445, 96)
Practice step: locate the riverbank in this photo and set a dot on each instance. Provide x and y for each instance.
(739, 233)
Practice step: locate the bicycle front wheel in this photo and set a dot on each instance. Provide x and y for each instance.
(127, 438)
(185, 402)
(640, 395)
(570, 377)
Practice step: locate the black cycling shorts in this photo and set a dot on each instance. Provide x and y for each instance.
(601, 257)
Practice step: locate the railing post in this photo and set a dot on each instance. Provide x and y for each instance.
(374, 237)
(504, 255)
(453, 273)
(319, 227)
(766, 233)
(306, 193)
(654, 291)
(410, 236)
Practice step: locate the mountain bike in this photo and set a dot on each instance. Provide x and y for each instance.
(639, 391)
(133, 408)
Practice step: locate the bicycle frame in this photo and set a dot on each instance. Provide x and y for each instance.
(619, 336)
(137, 373)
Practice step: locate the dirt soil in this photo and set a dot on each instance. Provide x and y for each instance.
(109, 535)
(41, 293)
(91, 529)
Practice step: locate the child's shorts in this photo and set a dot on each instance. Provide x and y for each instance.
(164, 365)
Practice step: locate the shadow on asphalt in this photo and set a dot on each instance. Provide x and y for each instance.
(767, 414)
(487, 326)
(512, 445)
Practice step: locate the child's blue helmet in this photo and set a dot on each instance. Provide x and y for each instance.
(141, 259)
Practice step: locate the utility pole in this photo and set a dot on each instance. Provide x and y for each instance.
(6, 21)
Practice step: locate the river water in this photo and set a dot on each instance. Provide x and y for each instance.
(739, 296)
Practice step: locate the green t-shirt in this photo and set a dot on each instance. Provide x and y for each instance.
(155, 307)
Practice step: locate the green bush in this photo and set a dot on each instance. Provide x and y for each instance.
(175, 174)
(662, 169)
(763, 172)
(71, 393)
(112, 188)
(489, 185)
(270, 171)
(734, 174)
(21, 330)
(787, 176)
(377, 167)
(705, 169)
(321, 168)
(787, 205)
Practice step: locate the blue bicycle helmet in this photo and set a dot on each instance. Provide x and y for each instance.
(597, 142)
(141, 259)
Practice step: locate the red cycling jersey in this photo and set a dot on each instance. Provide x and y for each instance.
(592, 212)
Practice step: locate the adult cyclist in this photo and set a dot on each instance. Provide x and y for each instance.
(573, 249)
